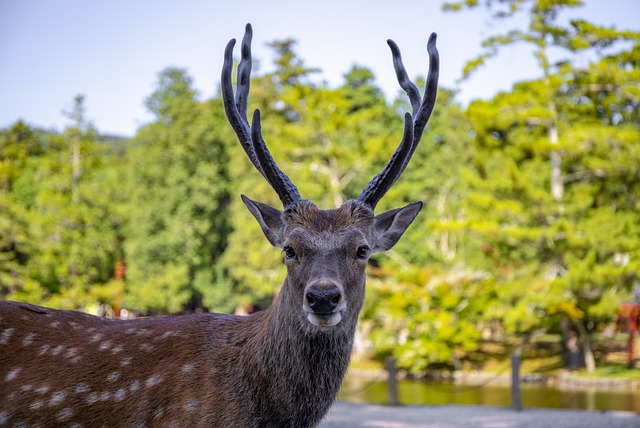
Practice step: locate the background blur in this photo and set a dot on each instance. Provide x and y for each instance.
(120, 176)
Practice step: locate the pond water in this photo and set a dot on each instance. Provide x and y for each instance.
(437, 393)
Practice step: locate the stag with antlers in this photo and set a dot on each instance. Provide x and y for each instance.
(281, 367)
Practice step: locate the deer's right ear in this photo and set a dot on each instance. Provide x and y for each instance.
(269, 219)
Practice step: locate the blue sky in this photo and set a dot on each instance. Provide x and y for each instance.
(111, 51)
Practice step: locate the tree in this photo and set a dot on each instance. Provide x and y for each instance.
(179, 219)
(527, 202)
(60, 224)
(424, 307)
(15, 249)
(78, 115)
(17, 145)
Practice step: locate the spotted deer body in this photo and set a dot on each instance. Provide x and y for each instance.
(281, 367)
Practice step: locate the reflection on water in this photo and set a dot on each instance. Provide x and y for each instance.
(436, 393)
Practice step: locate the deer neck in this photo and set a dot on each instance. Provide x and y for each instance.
(297, 369)
(294, 343)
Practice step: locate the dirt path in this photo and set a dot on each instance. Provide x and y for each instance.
(347, 415)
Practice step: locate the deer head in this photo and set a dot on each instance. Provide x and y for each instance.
(326, 251)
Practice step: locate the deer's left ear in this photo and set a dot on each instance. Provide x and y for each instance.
(269, 219)
(389, 226)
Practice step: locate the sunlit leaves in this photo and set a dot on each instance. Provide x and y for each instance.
(424, 316)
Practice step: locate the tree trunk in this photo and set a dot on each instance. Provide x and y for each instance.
(75, 165)
(589, 360)
(570, 338)
(557, 184)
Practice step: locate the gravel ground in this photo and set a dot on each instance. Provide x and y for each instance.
(347, 415)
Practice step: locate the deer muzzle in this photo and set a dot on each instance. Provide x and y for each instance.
(324, 302)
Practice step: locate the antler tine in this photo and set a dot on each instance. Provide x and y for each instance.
(417, 121)
(244, 72)
(382, 182)
(250, 137)
(403, 79)
(237, 119)
(283, 186)
(431, 88)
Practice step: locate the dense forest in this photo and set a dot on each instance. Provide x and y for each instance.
(530, 223)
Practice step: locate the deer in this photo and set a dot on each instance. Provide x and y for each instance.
(279, 367)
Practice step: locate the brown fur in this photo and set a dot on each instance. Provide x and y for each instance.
(351, 214)
(60, 368)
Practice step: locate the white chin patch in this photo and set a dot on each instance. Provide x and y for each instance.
(324, 320)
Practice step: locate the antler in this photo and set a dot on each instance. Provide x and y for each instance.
(250, 137)
(414, 123)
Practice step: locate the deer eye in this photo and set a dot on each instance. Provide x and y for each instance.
(289, 253)
(362, 252)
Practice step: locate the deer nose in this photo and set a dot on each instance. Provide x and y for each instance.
(323, 300)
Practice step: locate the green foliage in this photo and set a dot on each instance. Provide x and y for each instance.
(544, 30)
(434, 176)
(553, 186)
(563, 253)
(59, 214)
(424, 316)
(178, 223)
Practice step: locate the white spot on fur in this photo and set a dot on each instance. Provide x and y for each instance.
(147, 347)
(170, 333)
(130, 331)
(105, 345)
(96, 337)
(55, 324)
(191, 405)
(43, 349)
(117, 349)
(25, 388)
(114, 376)
(57, 350)
(125, 361)
(6, 335)
(120, 394)
(57, 398)
(81, 388)
(143, 332)
(189, 368)
(43, 389)
(35, 405)
(65, 415)
(71, 352)
(12, 374)
(105, 396)
(3, 418)
(74, 325)
(91, 398)
(135, 385)
(153, 380)
(28, 339)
